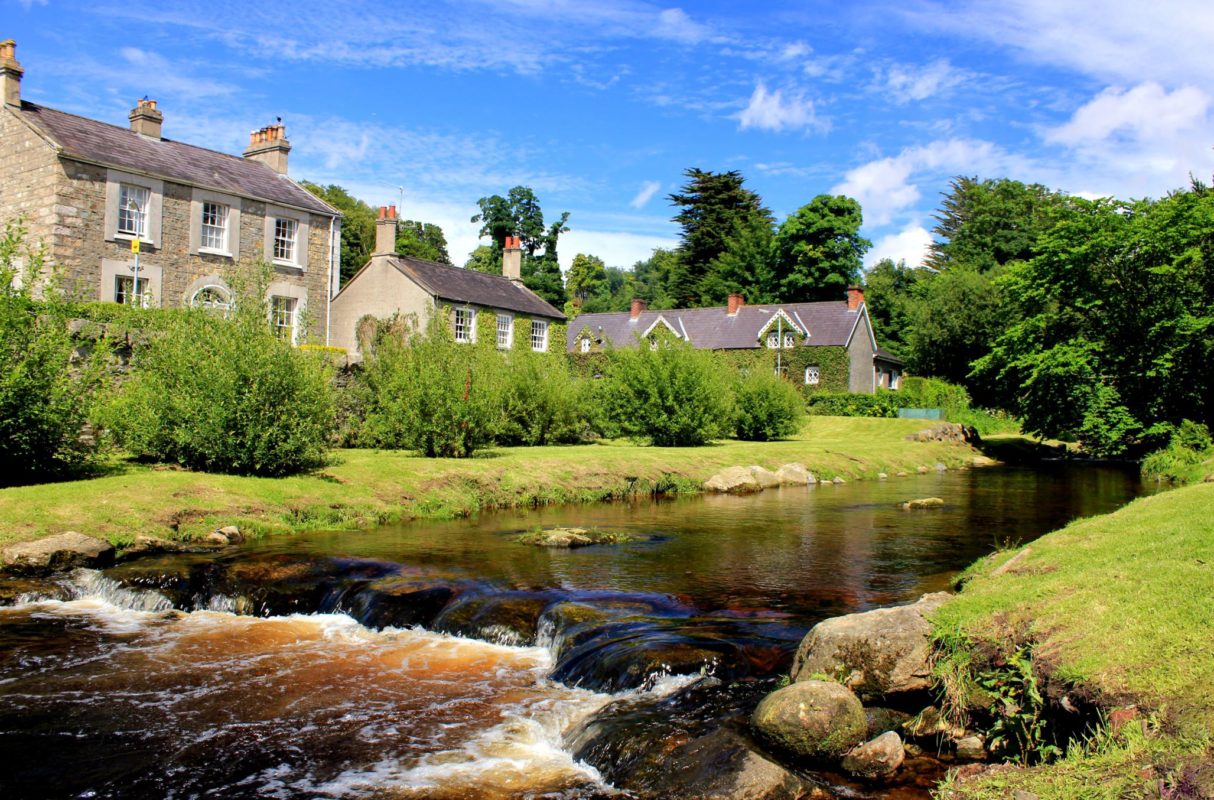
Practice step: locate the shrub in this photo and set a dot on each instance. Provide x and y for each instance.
(542, 403)
(767, 407)
(1184, 459)
(848, 404)
(226, 395)
(425, 392)
(1192, 435)
(44, 393)
(672, 395)
(918, 392)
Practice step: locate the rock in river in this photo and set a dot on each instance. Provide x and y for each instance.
(922, 502)
(878, 758)
(64, 551)
(819, 720)
(733, 480)
(878, 653)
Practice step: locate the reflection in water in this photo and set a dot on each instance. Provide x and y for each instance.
(337, 694)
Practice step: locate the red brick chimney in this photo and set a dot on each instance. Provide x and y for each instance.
(146, 119)
(10, 74)
(855, 297)
(270, 146)
(385, 231)
(638, 305)
(512, 258)
(736, 301)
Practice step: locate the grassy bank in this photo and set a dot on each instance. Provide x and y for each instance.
(1121, 609)
(366, 487)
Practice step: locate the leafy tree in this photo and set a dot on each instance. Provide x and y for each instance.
(712, 206)
(890, 292)
(748, 264)
(587, 277)
(654, 275)
(989, 223)
(482, 259)
(671, 394)
(519, 214)
(618, 289)
(819, 249)
(422, 240)
(357, 226)
(44, 395)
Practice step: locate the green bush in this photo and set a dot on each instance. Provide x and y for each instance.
(918, 392)
(428, 393)
(767, 407)
(1185, 458)
(44, 391)
(672, 395)
(542, 403)
(1192, 435)
(850, 404)
(226, 395)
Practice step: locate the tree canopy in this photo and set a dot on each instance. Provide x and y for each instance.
(819, 249)
(519, 214)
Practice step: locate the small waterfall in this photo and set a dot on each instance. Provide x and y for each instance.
(89, 584)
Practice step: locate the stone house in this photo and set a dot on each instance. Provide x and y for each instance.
(478, 304)
(825, 345)
(88, 190)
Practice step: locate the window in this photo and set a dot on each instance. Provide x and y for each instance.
(212, 298)
(214, 227)
(653, 343)
(789, 340)
(465, 325)
(282, 317)
(812, 376)
(122, 291)
(539, 336)
(585, 345)
(285, 233)
(133, 210)
(505, 331)
(893, 379)
(773, 340)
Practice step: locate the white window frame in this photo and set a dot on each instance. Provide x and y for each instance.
(585, 344)
(224, 305)
(505, 331)
(229, 247)
(464, 317)
(116, 182)
(286, 241)
(299, 256)
(773, 340)
(142, 287)
(277, 303)
(790, 341)
(539, 335)
(813, 376)
(136, 211)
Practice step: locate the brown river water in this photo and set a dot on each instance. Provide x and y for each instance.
(445, 660)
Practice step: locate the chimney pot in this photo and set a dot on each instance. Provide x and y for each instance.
(736, 301)
(269, 145)
(10, 73)
(855, 297)
(638, 306)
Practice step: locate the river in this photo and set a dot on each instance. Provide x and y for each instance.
(436, 660)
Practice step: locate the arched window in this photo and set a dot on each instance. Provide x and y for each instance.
(212, 298)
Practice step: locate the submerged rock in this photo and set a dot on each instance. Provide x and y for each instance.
(65, 551)
(575, 537)
(819, 720)
(922, 502)
(878, 758)
(878, 653)
(724, 766)
(733, 480)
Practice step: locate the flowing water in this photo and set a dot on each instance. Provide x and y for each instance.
(447, 660)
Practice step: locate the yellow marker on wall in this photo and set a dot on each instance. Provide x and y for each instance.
(134, 245)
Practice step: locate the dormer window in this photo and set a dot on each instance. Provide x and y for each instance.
(585, 345)
(789, 340)
(773, 340)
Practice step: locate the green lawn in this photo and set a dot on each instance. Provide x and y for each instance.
(1122, 604)
(365, 487)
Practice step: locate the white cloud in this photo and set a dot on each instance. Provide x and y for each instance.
(886, 186)
(617, 249)
(1141, 114)
(673, 23)
(648, 190)
(913, 83)
(909, 244)
(770, 111)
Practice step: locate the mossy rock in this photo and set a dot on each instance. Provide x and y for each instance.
(922, 502)
(570, 538)
(818, 720)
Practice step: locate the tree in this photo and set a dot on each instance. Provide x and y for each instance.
(482, 259)
(422, 240)
(587, 277)
(989, 223)
(819, 249)
(654, 275)
(890, 292)
(712, 206)
(519, 214)
(357, 226)
(748, 264)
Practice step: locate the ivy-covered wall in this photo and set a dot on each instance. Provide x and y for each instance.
(486, 331)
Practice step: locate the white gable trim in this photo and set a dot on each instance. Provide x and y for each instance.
(776, 315)
(868, 325)
(654, 324)
(804, 327)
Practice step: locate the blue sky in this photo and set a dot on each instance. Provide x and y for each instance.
(600, 106)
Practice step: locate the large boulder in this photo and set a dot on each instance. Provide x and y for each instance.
(795, 475)
(723, 766)
(65, 551)
(819, 720)
(733, 480)
(876, 653)
(765, 477)
(878, 758)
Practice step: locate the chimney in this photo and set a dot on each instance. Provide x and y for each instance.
(385, 232)
(512, 259)
(736, 301)
(270, 146)
(146, 119)
(855, 297)
(10, 73)
(638, 305)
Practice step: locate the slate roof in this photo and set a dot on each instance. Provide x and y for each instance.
(886, 355)
(459, 285)
(828, 323)
(102, 143)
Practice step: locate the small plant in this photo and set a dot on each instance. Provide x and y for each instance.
(1019, 730)
(767, 407)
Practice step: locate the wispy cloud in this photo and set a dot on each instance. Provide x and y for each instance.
(908, 83)
(648, 190)
(772, 111)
